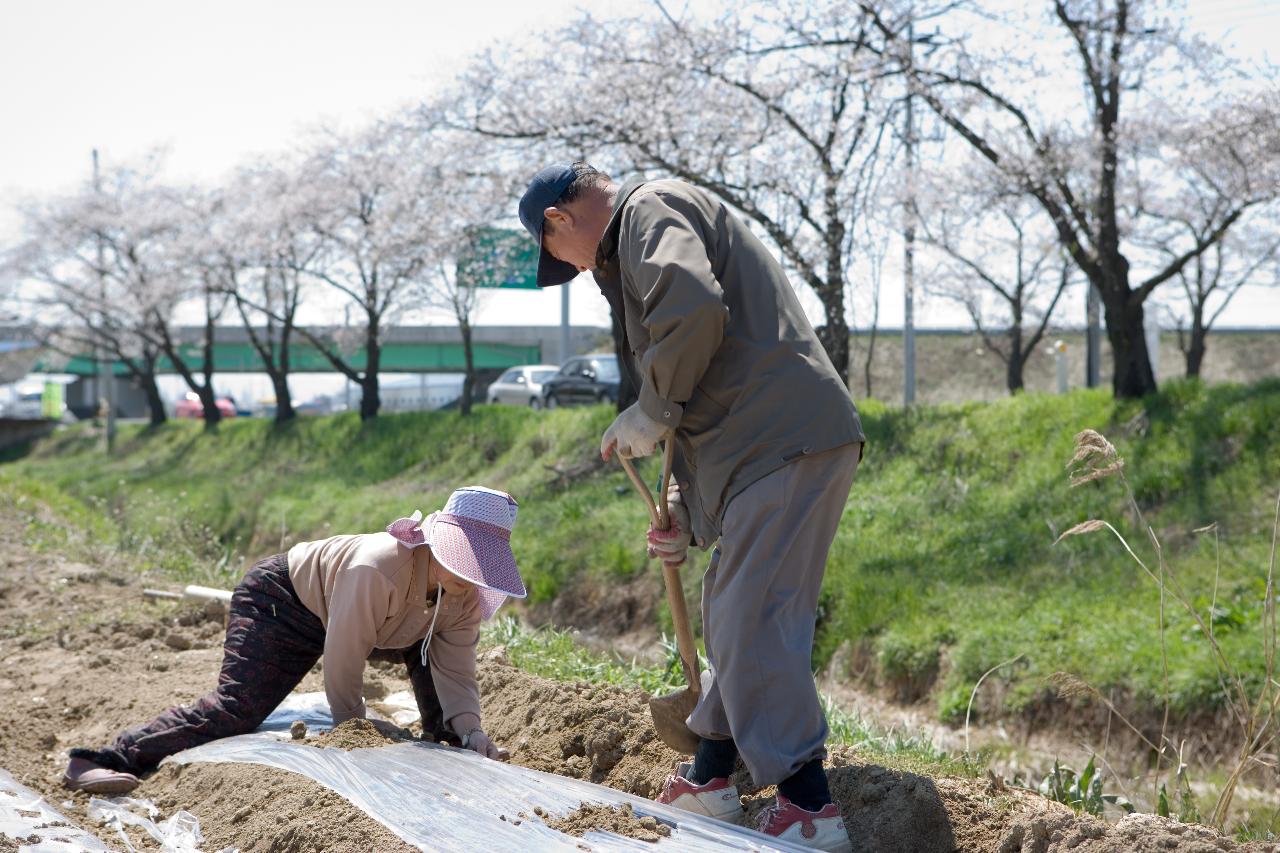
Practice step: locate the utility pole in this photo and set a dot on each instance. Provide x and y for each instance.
(909, 239)
(1059, 350)
(106, 367)
(1093, 336)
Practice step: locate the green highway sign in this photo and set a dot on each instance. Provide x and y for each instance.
(499, 257)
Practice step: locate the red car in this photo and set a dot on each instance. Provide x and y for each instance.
(190, 407)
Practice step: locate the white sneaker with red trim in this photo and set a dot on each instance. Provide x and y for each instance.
(821, 830)
(717, 798)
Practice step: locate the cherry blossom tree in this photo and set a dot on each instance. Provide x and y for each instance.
(1248, 256)
(462, 294)
(473, 246)
(120, 264)
(258, 246)
(78, 284)
(998, 258)
(164, 242)
(775, 107)
(369, 201)
(1103, 167)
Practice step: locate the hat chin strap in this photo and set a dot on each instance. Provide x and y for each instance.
(428, 525)
(431, 632)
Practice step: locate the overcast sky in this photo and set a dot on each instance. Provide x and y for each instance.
(217, 83)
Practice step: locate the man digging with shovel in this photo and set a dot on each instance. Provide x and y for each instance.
(766, 444)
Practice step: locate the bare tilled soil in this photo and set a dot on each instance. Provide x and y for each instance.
(83, 654)
(620, 820)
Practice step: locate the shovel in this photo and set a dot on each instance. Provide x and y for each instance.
(670, 711)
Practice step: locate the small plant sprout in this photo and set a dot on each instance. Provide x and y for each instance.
(1081, 791)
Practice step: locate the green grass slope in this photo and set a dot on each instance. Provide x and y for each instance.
(943, 568)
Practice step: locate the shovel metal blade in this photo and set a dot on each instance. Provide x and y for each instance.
(669, 715)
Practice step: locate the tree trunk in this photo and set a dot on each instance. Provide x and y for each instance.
(203, 390)
(369, 400)
(1196, 349)
(1013, 372)
(280, 376)
(284, 405)
(211, 414)
(155, 403)
(469, 377)
(1014, 363)
(1132, 377)
(834, 336)
(277, 368)
(866, 364)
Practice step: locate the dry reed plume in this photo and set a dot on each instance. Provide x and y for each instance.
(1255, 710)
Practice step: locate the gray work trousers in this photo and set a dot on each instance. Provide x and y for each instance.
(759, 603)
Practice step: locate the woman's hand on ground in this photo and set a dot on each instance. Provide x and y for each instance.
(479, 742)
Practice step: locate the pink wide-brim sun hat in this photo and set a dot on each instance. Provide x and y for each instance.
(471, 537)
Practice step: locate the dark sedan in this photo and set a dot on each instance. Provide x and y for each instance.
(583, 379)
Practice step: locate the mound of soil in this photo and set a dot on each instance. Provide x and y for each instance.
(361, 734)
(604, 734)
(257, 808)
(893, 811)
(596, 732)
(620, 820)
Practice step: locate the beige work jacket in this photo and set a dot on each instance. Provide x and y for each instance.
(370, 591)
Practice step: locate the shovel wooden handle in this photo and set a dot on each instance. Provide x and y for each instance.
(660, 516)
(684, 631)
(659, 513)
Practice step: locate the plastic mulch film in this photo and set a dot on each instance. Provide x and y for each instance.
(24, 816)
(443, 799)
(178, 833)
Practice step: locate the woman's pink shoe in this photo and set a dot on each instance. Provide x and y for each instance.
(83, 775)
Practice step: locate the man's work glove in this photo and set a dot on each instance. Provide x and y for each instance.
(633, 434)
(672, 545)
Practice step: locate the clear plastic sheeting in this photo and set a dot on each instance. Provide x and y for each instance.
(178, 833)
(439, 798)
(24, 815)
(401, 708)
(311, 708)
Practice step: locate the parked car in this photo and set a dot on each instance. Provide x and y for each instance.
(191, 407)
(521, 386)
(583, 379)
(27, 405)
(34, 401)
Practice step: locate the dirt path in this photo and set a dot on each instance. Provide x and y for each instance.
(83, 655)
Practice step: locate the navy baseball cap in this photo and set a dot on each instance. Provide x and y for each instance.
(543, 192)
